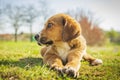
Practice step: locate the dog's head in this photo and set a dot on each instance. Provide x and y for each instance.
(59, 27)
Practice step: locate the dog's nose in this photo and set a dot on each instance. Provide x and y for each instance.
(36, 37)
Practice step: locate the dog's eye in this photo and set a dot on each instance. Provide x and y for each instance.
(49, 25)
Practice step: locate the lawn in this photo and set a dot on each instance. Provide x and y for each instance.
(22, 61)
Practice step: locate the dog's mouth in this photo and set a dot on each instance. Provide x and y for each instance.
(45, 43)
(43, 40)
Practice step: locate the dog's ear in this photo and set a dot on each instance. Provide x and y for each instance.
(71, 29)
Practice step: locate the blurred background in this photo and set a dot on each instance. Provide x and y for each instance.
(20, 20)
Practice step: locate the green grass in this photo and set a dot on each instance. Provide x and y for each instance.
(22, 61)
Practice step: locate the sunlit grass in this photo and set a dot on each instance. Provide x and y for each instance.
(22, 61)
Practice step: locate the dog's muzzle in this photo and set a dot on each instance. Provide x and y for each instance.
(42, 40)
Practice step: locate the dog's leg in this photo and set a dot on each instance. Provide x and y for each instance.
(93, 61)
(43, 50)
(73, 63)
(53, 61)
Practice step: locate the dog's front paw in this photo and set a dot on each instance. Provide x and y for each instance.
(70, 71)
(96, 62)
(57, 68)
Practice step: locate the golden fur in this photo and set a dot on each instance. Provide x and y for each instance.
(65, 45)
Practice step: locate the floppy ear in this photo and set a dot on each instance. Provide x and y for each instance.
(71, 29)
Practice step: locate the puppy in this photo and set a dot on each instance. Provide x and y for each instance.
(65, 45)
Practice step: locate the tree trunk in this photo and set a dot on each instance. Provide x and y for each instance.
(31, 35)
(16, 34)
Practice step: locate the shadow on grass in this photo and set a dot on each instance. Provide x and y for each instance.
(23, 62)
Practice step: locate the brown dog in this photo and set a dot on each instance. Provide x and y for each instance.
(65, 45)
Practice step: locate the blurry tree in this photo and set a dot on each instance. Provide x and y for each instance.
(18, 16)
(1, 17)
(90, 26)
(30, 15)
(44, 9)
(113, 35)
(93, 34)
(15, 17)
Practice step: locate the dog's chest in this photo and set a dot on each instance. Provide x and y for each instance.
(63, 50)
